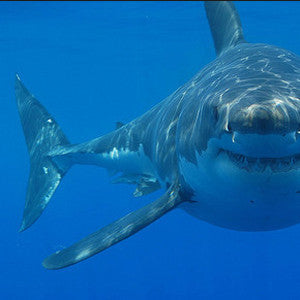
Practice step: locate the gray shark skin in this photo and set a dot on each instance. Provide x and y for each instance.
(225, 145)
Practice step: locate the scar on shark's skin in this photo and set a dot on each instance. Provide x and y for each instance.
(228, 136)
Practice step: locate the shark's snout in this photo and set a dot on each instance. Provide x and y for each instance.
(270, 118)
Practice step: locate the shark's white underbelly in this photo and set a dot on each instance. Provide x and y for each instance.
(237, 199)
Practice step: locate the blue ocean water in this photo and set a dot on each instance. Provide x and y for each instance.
(92, 64)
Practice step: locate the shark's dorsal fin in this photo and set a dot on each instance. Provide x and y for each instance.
(225, 24)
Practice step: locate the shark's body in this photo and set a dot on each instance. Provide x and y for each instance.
(224, 145)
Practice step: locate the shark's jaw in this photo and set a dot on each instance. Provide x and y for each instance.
(262, 164)
(246, 181)
(258, 153)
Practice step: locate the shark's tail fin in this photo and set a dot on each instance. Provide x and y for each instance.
(42, 135)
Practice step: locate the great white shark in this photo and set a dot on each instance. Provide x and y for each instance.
(225, 146)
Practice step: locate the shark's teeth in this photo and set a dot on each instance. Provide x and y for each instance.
(253, 164)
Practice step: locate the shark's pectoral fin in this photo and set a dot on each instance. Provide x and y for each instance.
(116, 231)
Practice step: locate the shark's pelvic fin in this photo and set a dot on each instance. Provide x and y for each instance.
(42, 134)
(116, 231)
(225, 24)
(145, 184)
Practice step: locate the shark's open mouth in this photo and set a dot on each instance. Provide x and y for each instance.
(254, 164)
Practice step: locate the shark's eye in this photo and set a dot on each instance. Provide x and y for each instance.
(229, 128)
